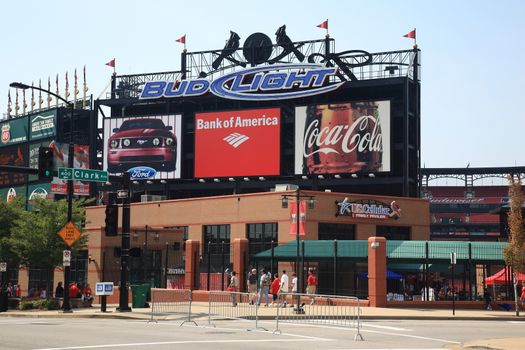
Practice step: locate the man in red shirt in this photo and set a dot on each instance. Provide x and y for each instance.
(311, 285)
(73, 290)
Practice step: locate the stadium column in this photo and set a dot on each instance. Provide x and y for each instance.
(377, 271)
(240, 247)
(192, 264)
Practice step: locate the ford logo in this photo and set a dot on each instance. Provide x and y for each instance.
(142, 173)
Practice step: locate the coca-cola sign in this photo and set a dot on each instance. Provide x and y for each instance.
(342, 138)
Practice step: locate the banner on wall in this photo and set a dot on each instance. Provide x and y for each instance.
(9, 193)
(342, 138)
(13, 131)
(302, 218)
(61, 160)
(146, 147)
(42, 125)
(237, 143)
(15, 155)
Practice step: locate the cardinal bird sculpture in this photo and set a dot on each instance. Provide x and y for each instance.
(284, 41)
(231, 45)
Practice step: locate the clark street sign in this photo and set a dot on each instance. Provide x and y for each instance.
(82, 174)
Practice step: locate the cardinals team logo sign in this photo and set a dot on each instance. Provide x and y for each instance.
(368, 209)
(6, 135)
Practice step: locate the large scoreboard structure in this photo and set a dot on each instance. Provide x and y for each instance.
(258, 113)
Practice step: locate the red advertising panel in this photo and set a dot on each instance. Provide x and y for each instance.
(237, 143)
(61, 160)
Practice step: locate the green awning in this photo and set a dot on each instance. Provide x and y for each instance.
(402, 251)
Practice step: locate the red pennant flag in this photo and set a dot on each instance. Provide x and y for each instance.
(411, 35)
(323, 25)
(182, 39)
(111, 63)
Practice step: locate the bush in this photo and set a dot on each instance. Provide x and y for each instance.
(26, 305)
(41, 304)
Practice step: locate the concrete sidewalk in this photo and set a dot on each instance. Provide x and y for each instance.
(269, 313)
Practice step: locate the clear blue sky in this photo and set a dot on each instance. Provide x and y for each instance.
(473, 53)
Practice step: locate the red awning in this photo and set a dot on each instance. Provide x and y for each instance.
(499, 278)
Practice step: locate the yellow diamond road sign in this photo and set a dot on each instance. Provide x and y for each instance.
(69, 233)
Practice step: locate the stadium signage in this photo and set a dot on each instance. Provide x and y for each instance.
(274, 82)
(368, 209)
(142, 173)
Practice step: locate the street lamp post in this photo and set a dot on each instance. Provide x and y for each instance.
(298, 264)
(66, 306)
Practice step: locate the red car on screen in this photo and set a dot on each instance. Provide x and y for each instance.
(142, 142)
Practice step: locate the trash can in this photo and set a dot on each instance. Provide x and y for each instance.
(139, 295)
(4, 301)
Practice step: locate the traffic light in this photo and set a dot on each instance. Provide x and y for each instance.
(45, 163)
(111, 228)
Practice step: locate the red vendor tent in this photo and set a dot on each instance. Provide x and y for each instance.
(499, 278)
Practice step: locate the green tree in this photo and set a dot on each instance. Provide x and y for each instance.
(515, 253)
(34, 237)
(9, 212)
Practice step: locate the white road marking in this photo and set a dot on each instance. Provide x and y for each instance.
(412, 336)
(392, 349)
(517, 322)
(386, 327)
(179, 342)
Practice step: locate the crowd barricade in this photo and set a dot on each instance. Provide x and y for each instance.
(232, 305)
(333, 310)
(165, 302)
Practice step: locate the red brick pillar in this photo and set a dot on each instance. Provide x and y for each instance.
(377, 271)
(192, 276)
(240, 251)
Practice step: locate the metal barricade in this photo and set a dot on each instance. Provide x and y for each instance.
(232, 305)
(171, 302)
(333, 310)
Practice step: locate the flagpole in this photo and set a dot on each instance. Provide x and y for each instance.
(327, 34)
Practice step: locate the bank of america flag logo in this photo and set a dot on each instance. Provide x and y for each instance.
(235, 139)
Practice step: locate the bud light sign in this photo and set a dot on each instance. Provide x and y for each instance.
(265, 83)
(342, 138)
(142, 173)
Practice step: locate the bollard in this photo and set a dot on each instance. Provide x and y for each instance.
(103, 303)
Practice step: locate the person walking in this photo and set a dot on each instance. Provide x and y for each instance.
(252, 286)
(233, 288)
(311, 285)
(488, 299)
(274, 289)
(264, 287)
(283, 290)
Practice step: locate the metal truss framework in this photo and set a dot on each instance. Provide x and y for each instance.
(353, 65)
(469, 175)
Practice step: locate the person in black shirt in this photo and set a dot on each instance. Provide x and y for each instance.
(59, 291)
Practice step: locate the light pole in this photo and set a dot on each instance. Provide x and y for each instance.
(66, 306)
(298, 267)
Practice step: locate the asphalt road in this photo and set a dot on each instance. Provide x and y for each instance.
(41, 333)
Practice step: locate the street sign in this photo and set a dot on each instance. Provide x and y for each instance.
(66, 255)
(104, 288)
(82, 174)
(122, 194)
(90, 175)
(65, 173)
(3, 266)
(69, 234)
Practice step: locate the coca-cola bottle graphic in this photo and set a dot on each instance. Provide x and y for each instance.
(342, 138)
